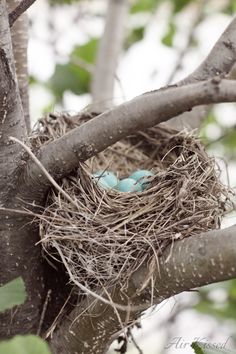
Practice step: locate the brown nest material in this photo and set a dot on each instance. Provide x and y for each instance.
(109, 234)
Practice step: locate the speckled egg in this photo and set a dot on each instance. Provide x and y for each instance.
(129, 185)
(140, 175)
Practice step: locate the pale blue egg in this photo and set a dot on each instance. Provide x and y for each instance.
(129, 185)
(101, 182)
(140, 176)
(107, 176)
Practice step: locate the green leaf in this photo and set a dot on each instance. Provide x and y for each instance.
(87, 52)
(169, 36)
(71, 76)
(134, 36)
(227, 310)
(144, 6)
(230, 8)
(12, 294)
(210, 348)
(197, 349)
(180, 4)
(220, 310)
(29, 344)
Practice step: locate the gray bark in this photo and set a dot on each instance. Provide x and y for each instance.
(61, 156)
(19, 256)
(194, 262)
(19, 36)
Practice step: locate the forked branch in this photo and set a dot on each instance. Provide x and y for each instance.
(220, 60)
(19, 10)
(62, 156)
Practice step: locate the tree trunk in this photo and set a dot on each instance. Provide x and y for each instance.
(19, 256)
(108, 53)
(19, 37)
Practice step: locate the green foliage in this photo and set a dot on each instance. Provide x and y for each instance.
(231, 7)
(144, 5)
(169, 36)
(134, 36)
(210, 119)
(71, 76)
(12, 294)
(197, 349)
(29, 344)
(225, 310)
(180, 4)
(227, 140)
(206, 348)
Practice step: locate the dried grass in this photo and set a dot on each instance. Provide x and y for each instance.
(110, 234)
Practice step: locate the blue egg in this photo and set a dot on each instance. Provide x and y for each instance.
(129, 185)
(108, 177)
(140, 176)
(101, 182)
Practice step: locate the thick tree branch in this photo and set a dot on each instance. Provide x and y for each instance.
(63, 155)
(19, 10)
(19, 36)
(189, 263)
(11, 113)
(108, 52)
(152, 108)
(220, 60)
(19, 256)
(140, 113)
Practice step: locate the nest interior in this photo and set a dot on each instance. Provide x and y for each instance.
(105, 235)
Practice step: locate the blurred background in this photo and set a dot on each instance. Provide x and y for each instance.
(162, 41)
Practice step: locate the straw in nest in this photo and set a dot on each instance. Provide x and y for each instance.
(109, 234)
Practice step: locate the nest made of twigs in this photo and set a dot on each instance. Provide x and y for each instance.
(104, 235)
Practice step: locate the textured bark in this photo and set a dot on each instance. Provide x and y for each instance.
(19, 256)
(194, 262)
(108, 53)
(22, 6)
(19, 36)
(11, 114)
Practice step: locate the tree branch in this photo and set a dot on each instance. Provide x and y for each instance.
(220, 60)
(19, 256)
(142, 112)
(11, 113)
(19, 10)
(19, 36)
(62, 156)
(108, 52)
(189, 263)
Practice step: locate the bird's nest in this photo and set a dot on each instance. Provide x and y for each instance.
(103, 236)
